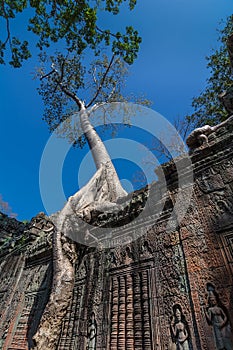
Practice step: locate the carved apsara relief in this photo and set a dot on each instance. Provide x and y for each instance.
(180, 333)
(217, 318)
(218, 209)
(91, 332)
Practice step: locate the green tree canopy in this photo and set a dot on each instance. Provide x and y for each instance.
(85, 62)
(208, 108)
(66, 82)
(71, 22)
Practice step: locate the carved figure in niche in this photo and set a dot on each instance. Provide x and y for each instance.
(217, 317)
(91, 333)
(146, 251)
(179, 329)
(82, 270)
(224, 213)
(127, 256)
(113, 259)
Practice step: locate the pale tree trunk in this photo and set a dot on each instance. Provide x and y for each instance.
(64, 257)
(101, 157)
(102, 190)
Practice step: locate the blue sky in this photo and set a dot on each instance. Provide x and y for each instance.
(170, 70)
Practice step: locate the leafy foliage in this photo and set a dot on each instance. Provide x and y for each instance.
(72, 26)
(68, 72)
(72, 22)
(69, 79)
(207, 106)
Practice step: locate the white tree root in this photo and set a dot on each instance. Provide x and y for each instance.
(100, 193)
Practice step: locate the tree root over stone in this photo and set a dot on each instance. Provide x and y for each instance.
(101, 193)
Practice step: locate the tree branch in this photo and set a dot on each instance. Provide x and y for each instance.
(54, 8)
(72, 95)
(47, 75)
(112, 92)
(102, 82)
(94, 77)
(8, 38)
(96, 106)
(104, 32)
(59, 83)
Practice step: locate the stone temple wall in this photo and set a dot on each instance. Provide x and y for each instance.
(163, 285)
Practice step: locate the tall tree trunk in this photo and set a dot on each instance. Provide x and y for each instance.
(102, 190)
(64, 257)
(101, 156)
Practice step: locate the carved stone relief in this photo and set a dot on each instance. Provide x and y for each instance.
(91, 332)
(32, 292)
(146, 250)
(148, 291)
(209, 182)
(130, 309)
(218, 207)
(127, 256)
(180, 334)
(227, 243)
(217, 318)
